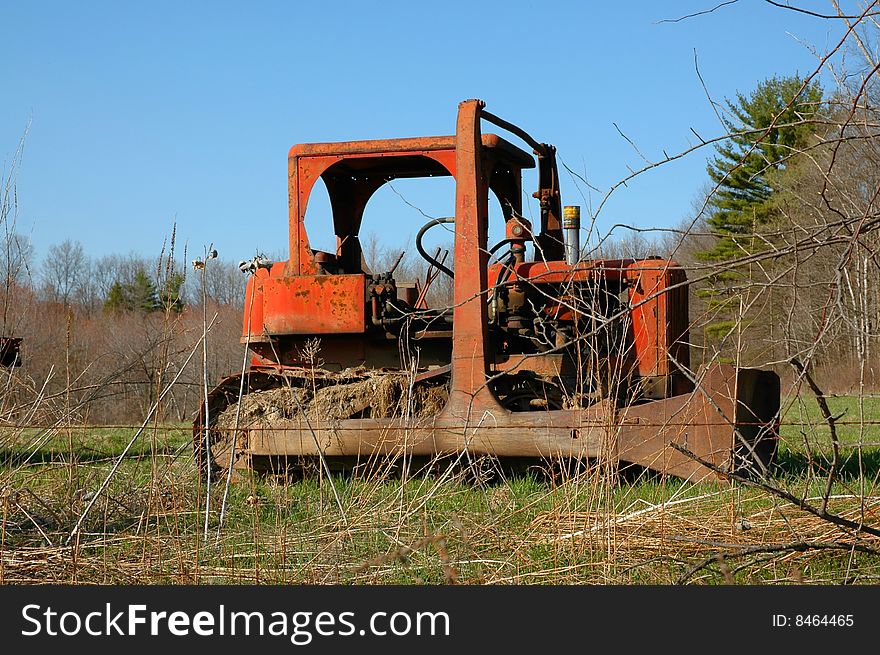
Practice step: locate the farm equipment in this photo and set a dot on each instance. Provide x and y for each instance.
(541, 356)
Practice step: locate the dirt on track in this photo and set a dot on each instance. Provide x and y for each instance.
(350, 394)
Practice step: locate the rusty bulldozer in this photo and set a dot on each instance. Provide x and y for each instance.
(548, 356)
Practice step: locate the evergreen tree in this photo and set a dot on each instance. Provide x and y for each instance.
(144, 296)
(138, 295)
(775, 119)
(116, 300)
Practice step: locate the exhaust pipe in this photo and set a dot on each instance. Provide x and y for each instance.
(571, 233)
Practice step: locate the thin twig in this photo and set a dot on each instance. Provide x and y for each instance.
(830, 420)
(798, 546)
(699, 13)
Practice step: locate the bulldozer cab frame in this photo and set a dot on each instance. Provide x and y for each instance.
(353, 171)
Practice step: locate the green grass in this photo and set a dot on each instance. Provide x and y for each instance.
(857, 421)
(438, 527)
(805, 437)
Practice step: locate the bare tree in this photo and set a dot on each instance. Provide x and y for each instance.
(65, 271)
(224, 285)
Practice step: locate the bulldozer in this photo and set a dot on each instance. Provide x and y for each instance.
(541, 354)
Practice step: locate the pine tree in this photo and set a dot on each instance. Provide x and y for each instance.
(143, 293)
(770, 126)
(116, 300)
(138, 295)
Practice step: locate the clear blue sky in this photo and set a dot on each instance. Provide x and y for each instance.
(143, 114)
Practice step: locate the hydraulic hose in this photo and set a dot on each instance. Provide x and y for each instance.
(498, 245)
(427, 226)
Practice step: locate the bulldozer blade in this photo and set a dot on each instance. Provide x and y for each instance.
(730, 420)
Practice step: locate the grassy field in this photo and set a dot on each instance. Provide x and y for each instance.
(441, 527)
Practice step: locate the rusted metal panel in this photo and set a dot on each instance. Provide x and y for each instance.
(319, 304)
(558, 272)
(714, 422)
(658, 297)
(469, 391)
(561, 433)
(408, 146)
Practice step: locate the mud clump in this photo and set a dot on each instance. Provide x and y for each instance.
(381, 395)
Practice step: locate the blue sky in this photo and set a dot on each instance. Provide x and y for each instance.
(146, 114)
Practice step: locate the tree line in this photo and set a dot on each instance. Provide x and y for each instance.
(101, 335)
(67, 274)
